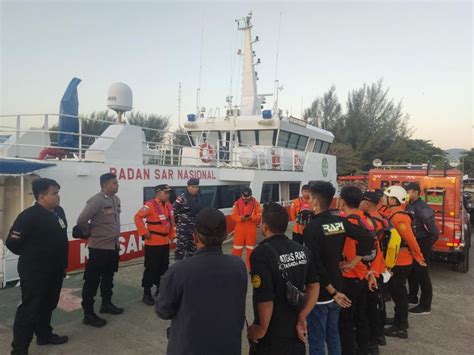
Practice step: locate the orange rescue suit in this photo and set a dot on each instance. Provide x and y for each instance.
(245, 232)
(298, 205)
(402, 223)
(159, 222)
(349, 251)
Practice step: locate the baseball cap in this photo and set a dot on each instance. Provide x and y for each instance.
(193, 182)
(413, 186)
(162, 187)
(371, 196)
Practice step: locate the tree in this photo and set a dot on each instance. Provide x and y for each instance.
(325, 112)
(158, 125)
(468, 162)
(348, 161)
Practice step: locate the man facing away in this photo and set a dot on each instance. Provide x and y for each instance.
(426, 234)
(280, 327)
(204, 296)
(39, 236)
(100, 219)
(158, 232)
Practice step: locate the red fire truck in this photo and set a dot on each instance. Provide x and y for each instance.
(443, 191)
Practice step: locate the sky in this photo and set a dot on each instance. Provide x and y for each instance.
(423, 51)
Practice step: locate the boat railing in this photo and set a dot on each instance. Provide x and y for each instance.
(169, 148)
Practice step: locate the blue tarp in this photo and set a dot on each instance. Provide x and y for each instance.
(69, 106)
(19, 166)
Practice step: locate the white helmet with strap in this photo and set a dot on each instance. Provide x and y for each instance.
(397, 192)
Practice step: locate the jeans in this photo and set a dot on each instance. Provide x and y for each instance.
(323, 329)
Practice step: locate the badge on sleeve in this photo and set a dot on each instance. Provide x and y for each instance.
(145, 208)
(256, 281)
(15, 235)
(61, 222)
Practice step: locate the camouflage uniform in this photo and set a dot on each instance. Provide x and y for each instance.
(186, 208)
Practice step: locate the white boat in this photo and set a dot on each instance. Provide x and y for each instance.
(248, 146)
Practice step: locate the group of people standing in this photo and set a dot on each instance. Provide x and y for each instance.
(324, 287)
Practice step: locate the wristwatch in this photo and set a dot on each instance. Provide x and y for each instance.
(333, 294)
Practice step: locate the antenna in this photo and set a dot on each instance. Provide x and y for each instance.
(277, 87)
(179, 105)
(198, 94)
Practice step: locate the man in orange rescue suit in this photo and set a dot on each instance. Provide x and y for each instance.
(246, 214)
(301, 213)
(394, 197)
(158, 232)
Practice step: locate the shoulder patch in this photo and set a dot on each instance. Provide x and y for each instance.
(145, 208)
(256, 281)
(15, 235)
(333, 228)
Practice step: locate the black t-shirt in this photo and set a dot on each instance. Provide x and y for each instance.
(325, 236)
(39, 236)
(268, 283)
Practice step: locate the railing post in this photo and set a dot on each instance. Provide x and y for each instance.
(46, 130)
(80, 138)
(17, 148)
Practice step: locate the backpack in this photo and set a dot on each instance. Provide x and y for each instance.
(390, 242)
(373, 253)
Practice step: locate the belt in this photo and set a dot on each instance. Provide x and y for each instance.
(153, 223)
(161, 234)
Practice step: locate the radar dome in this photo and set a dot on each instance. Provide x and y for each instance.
(120, 97)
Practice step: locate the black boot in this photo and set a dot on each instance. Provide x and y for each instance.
(110, 308)
(381, 340)
(53, 339)
(147, 297)
(396, 332)
(93, 320)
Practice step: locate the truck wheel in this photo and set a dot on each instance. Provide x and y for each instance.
(463, 266)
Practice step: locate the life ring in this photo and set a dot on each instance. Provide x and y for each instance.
(206, 152)
(297, 162)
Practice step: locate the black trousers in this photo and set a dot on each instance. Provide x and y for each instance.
(39, 297)
(398, 292)
(298, 238)
(278, 346)
(100, 269)
(157, 260)
(376, 313)
(353, 322)
(419, 277)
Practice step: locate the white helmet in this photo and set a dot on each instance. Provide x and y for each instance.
(397, 192)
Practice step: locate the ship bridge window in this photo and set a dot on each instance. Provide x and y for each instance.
(294, 190)
(325, 147)
(302, 143)
(292, 140)
(317, 146)
(270, 193)
(266, 137)
(247, 137)
(198, 137)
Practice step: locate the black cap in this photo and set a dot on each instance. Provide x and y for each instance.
(193, 182)
(305, 187)
(413, 186)
(211, 222)
(371, 196)
(247, 191)
(162, 187)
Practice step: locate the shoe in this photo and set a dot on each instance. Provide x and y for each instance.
(148, 299)
(110, 308)
(412, 301)
(396, 332)
(373, 349)
(53, 339)
(381, 340)
(418, 310)
(94, 320)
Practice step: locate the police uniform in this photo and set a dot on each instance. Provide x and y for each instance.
(103, 212)
(160, 225)
(186, 207)
(39, 236)
(269, 285)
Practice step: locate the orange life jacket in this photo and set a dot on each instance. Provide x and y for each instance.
(159, 222)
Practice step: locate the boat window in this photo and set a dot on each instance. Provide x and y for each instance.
(247, 138)
(213, 137)
(266, 137)
(270, 193)
(294, 190)
(293, 141)
(228, 195)
(195, 137)
(302, 143)
(283, 138)
(317, 146)
(325, 147)
(208, 195)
